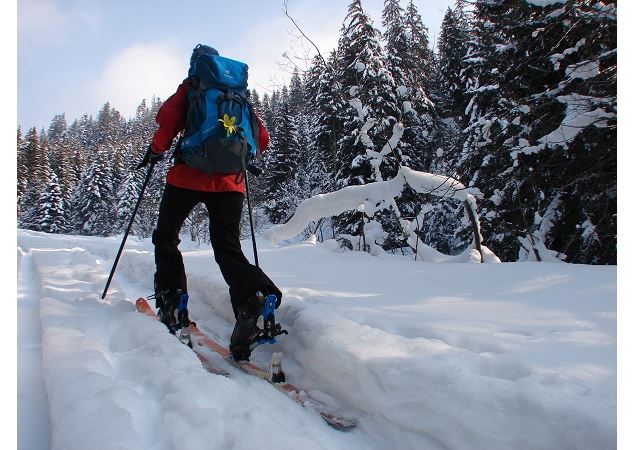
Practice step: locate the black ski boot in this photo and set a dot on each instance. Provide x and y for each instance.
(172, 309)
(246, 332)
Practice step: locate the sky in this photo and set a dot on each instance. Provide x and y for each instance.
(75, 55)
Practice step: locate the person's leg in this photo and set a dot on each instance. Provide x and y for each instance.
(243, 278)
(170, 277)
(248, 284)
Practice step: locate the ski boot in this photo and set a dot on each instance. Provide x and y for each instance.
(247, 335)
(172, 312)
(246, 331)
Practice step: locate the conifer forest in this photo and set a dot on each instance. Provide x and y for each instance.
(516, 99)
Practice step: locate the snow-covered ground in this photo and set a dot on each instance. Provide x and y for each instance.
(428, 356)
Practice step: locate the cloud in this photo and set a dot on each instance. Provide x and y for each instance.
(139, 71)
(268, 40)
(268, 69)
(46, 22)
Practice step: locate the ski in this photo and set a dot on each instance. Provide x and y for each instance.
(143, 306)
(273, 376)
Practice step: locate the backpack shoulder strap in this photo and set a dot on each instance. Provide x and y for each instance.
(195, 90)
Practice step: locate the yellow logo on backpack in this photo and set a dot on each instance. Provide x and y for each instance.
(228, 123)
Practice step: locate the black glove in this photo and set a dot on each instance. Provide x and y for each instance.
(150, 157)
(254, 169)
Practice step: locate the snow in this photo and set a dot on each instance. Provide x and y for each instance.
(363, 132)
(360, 66)
(33, 423)
(428, 356)
(556, 13)
(544, 3)
(557, 57)
(361, 110)
(608, 11)
(532, 248)
(584, 70)
(402, 91)
(579, 115)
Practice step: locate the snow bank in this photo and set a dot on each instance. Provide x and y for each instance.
(428, 356)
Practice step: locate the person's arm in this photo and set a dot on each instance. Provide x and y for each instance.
(171, 119)
(263, 137)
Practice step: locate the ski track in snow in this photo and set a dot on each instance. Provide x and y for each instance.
(429, 356)
(117, 380)
(33, 419)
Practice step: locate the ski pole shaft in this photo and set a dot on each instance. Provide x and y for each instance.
(251, 221)
(125, 237)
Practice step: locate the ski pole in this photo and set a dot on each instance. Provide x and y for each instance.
(251, 220)
(125, 236)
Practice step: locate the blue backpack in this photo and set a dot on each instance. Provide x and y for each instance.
(221, 126)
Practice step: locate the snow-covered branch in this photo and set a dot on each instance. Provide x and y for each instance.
(367, 197)
(579, 115)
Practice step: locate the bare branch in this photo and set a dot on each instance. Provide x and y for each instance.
(295, 24)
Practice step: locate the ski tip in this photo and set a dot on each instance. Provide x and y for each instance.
(143, 306)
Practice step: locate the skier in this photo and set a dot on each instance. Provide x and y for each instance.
(223, 195)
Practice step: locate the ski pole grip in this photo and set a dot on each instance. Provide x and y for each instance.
(254, 169)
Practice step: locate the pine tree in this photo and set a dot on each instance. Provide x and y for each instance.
(57, 128)
(148, 213)
(22, 165)
(92, 201)
(33, 174)
(565, 151)
(451, 50)
(86, 132)
(146, 219)
(410, 63)
(396, 40)
(269, 105)
(41, 167)
(50, 214)
(254, 98)
(399, 46)
(56, 134)
(370, 91)
(305, 181)
(296, 94)
(282, 163)
(418, 59)
(108, 126)
(531, 70)
(325, 100)
(62, 159)
(127, 196)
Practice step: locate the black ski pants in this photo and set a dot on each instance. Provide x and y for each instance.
(225, 210)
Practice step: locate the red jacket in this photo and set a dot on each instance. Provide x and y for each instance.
(171, 120)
